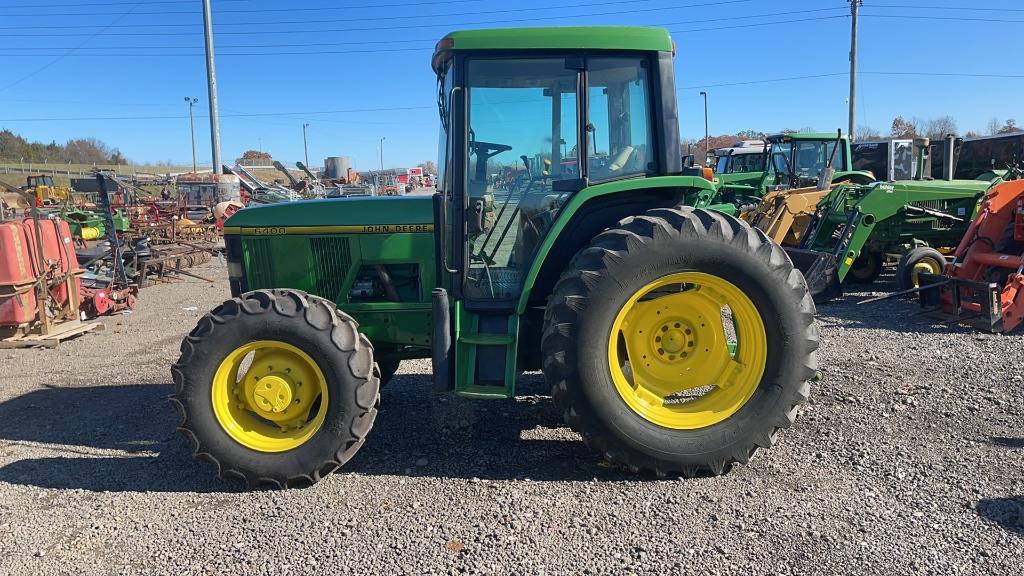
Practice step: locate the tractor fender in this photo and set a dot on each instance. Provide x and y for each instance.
(595, 209)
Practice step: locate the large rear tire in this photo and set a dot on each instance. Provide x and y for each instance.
(640, 358)
(275, 387)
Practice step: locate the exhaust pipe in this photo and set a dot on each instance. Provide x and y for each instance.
(948, 161)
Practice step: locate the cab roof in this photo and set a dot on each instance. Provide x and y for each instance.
(829, 136)
(640, 38)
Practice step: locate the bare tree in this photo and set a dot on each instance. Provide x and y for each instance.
(867, 133)
(993, 126)
(938, 128)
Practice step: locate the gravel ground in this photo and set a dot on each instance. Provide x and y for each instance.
(909, 460)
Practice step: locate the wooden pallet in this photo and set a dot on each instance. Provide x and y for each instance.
(60, 333)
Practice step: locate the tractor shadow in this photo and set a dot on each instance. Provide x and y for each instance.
(897, 314)
(1008, 513)
(1007, 441)
(71, 432)
(422, 433)
(78, 426)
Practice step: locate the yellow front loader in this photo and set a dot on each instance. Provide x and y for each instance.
(784, 214)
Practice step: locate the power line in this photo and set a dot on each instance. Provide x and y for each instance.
(156, 2)
(767, 81)
(430, 47)
(955, 18)
(60, 57)
(320, 9)
(299, 114)
(306, 23)
(245, 10)
(965, 8)
(947, 74)
(430, 40)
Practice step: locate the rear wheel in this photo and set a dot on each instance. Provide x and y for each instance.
(919, 260)
(275, 387)
(680, 342)
(866, 268)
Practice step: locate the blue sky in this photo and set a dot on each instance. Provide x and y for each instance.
(358, 71)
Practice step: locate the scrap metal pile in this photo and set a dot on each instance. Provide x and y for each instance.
(120, 241)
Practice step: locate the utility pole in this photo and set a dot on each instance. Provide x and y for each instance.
(704, 161)
(305, 142)
(851, 129)
(382, 153)
(192, 123)
(211, 80)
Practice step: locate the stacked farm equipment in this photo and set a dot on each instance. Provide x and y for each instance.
(984, 284)
(40, 284)
(141, 242)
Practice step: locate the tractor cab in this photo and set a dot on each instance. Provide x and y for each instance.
(798, 160)
(44, 189)
(741, 163)
(527, 121)
(40, 180)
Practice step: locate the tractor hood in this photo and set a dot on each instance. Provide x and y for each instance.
(377, 214)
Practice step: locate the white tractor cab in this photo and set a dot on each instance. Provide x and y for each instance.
(742, 161)
(743, 156)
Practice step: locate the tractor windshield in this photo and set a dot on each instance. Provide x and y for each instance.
(806, 158)
(522, 137)
(524, 152)
(740, 162)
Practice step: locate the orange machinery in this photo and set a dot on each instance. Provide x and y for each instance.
(984, 285)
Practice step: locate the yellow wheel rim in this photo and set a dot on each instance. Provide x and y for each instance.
(926, 265)
(687, 350)
(269, 396)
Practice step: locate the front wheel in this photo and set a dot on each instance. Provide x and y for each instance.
(680, 342)
(275, 387)
(919, 260)
(866, 268)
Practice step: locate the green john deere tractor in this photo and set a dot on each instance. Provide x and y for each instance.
(855, 229)
(676, 340)
(793, 161)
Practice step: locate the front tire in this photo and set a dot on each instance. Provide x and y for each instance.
(596, 350)
(913, 263)
(866, 268)
(275, 387)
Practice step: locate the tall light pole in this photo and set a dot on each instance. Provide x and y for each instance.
(305, 142)
(382, 153)
(706, 139)
(854, 5)
(211, 80)
(192, 123)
